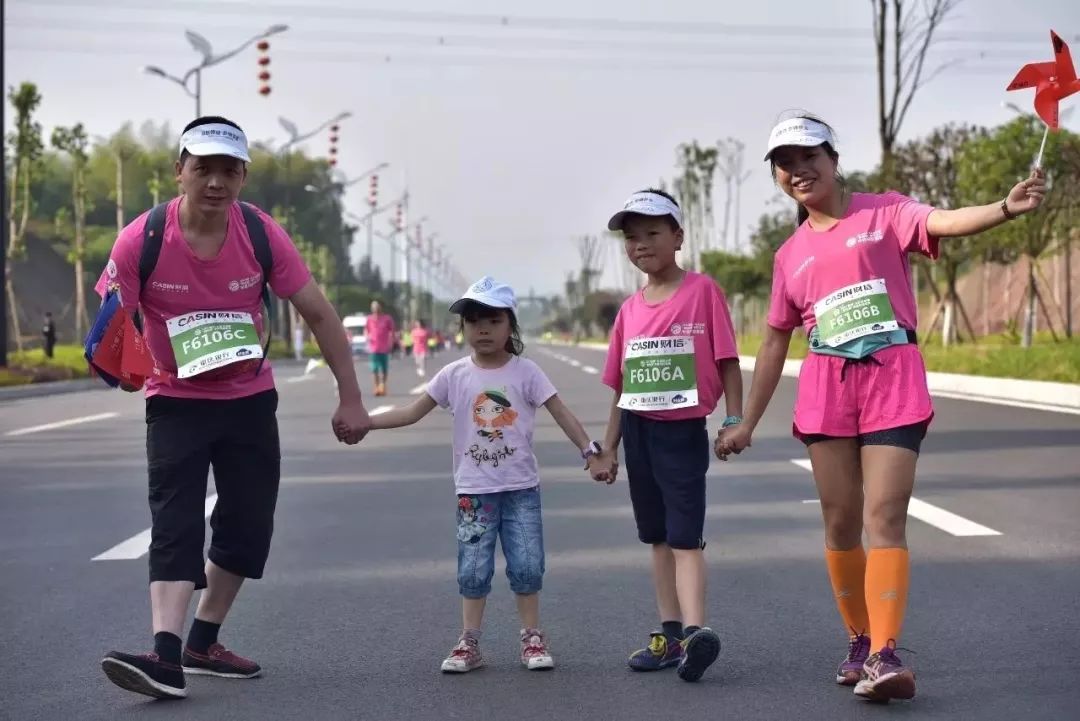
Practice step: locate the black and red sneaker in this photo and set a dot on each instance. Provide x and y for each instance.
(219, 661)
(146, 674)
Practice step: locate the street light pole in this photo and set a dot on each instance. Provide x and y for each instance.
(202, 45)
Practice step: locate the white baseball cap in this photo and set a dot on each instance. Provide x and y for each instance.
(645, 203)
(487, 291)
(804, 132)
(216, 139)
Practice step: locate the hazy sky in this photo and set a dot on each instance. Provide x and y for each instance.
(517, 136)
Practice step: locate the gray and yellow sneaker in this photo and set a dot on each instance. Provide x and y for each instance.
(700, 650)
(662, 652)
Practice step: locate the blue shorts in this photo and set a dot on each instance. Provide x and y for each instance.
(513, 516)
(666, 462)
(380, 362)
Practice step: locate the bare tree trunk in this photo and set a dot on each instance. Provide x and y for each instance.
(81, 319)
(1042, 304)
(938, 309)
(1029, 316)
(967, 320)
(1068, 285)
(119, 191)
(986, 294)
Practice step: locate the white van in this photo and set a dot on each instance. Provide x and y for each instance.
(356, 332)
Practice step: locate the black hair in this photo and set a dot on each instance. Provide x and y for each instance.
(801, 213)
(205, 120)
(664, 194)
(473, 311)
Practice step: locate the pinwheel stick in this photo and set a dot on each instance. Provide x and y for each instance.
(1042, 147)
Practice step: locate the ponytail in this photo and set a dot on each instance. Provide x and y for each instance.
(801, 214)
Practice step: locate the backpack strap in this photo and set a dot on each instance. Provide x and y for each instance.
(260, 244)
(153, 236)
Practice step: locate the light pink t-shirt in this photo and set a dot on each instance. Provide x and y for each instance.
(380, 333)
(494, 414)
(182, 283)
(696, 310)
(419, 340)
(871, 241)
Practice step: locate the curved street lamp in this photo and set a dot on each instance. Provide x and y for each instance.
(203, 47)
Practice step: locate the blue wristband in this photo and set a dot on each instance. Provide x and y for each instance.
(731, 421)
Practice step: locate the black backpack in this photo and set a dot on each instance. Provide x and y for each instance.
(154, 234)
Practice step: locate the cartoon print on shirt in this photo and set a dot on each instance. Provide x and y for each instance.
(492, 413)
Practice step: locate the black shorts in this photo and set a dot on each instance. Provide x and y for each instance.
(666, 462)
(185, 437)
(910, 437)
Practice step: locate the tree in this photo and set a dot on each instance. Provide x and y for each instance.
(26, 147)
(928, 168)
(911, 37)
(731, 170)
(73, 142)
(992, 164)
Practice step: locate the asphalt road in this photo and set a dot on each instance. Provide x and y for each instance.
(359, 604)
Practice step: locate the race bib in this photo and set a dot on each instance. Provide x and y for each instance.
(659, 374)
(205, 340)
(854, 311)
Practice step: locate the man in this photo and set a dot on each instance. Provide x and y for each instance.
(380, 339)
(223, 417)
(48, 334)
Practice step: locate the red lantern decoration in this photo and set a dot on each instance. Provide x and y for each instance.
(264, 62)
(264, 90)
(263, 45)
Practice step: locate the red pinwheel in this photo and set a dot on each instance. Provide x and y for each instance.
(1053, 81)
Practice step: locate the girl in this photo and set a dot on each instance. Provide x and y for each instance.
(493, 395)
(420, 337)
(863, 406)
(671, 358)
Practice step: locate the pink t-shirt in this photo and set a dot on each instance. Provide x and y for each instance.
(494, 412)
(380, 333)
(182, 283)
(870, 242)
(419, 340)
(696, 310)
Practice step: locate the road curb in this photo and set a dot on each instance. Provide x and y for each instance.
(1041, 395)
(51, 388)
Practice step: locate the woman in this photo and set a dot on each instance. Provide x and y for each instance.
(862, 407)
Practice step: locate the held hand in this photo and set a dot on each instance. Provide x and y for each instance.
(351, 422)
(732, 439)
(603, 467)
(1028, 194)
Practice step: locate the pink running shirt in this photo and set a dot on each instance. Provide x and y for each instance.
(182, 283)
(697, 311)
(870, 242)
(380, 333)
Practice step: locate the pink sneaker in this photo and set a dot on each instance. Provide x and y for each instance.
(534, 650)
(464, 657)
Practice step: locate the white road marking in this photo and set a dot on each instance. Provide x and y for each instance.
(299, 379)
(929, 513)
(1006, 402)
(575, 363)
(61, 424)
(590, 370)
(139, 545)
(419, 389)
(379, 410)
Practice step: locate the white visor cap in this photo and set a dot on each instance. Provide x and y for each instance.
(216, 139)
(799, 131)
(645, 204)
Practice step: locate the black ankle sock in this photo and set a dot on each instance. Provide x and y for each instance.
(202, 635)
(167, 647)
(691, 630)
(673, 629)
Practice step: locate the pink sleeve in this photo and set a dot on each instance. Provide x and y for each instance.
(783, 314)
(723, 330)
(909, 221)
(612, 375)
(439, 388)
(538, 387)
(123, 266)
(289, 273)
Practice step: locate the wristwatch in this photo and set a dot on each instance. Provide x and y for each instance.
(593, 449)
